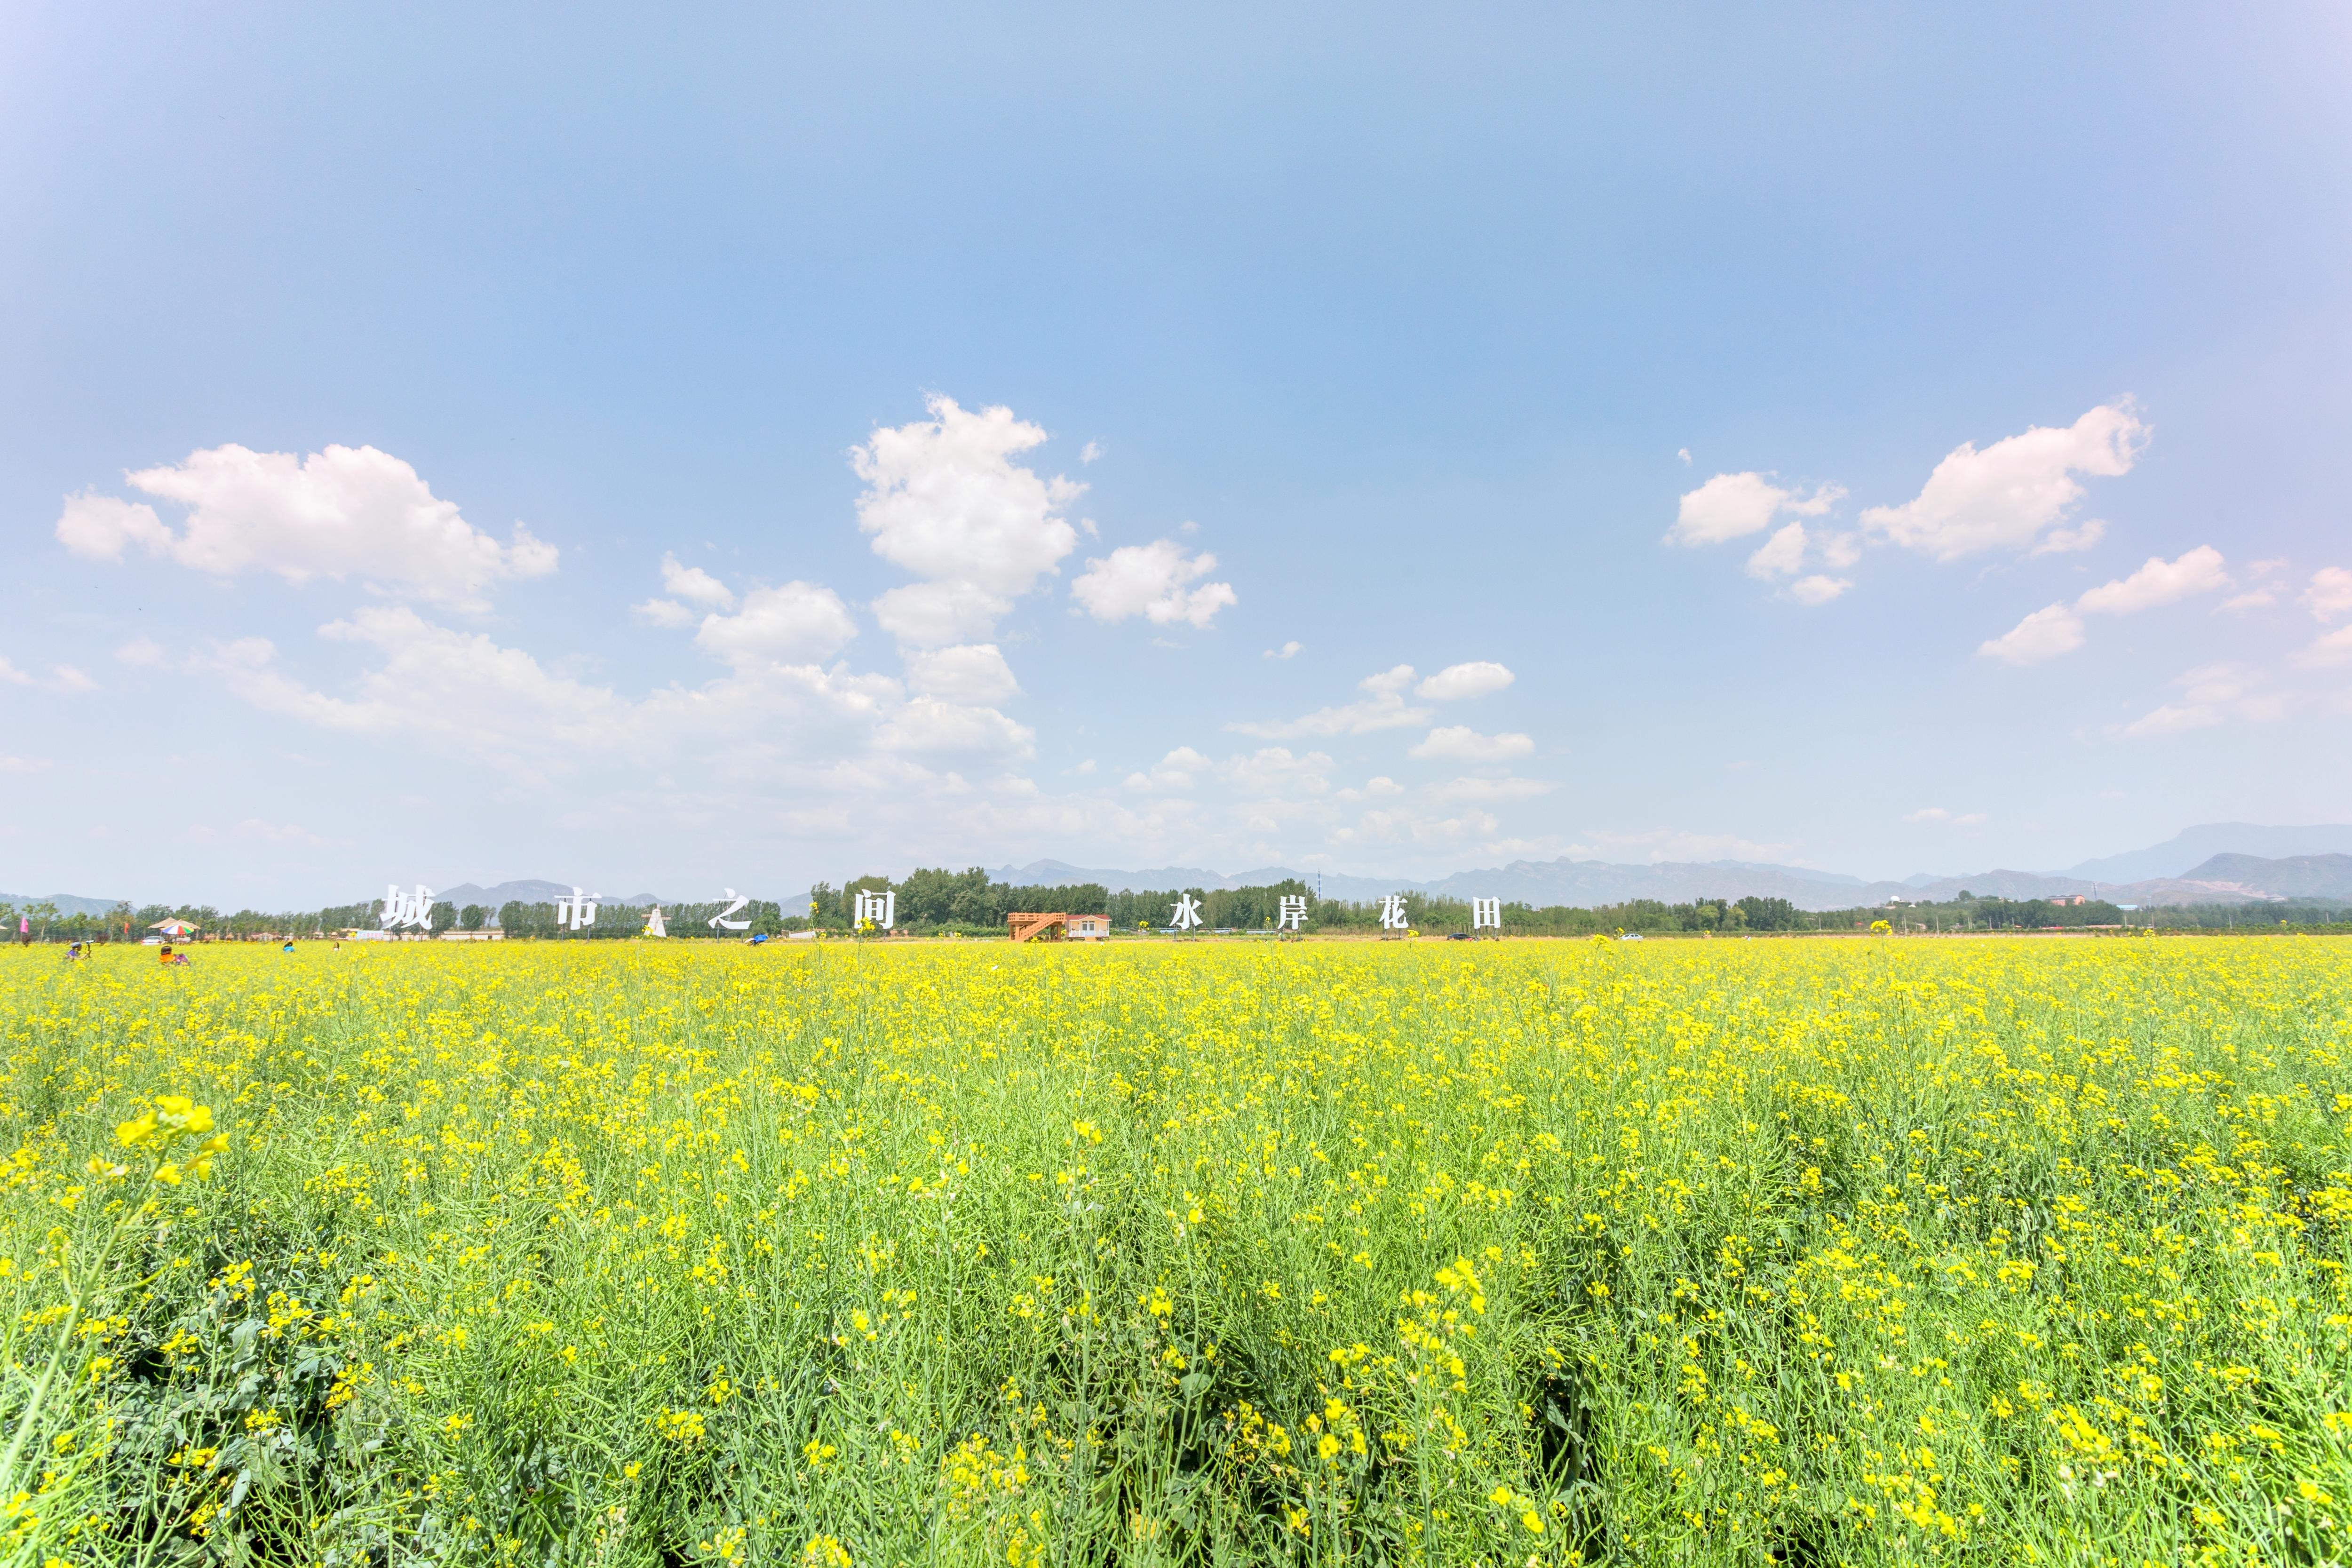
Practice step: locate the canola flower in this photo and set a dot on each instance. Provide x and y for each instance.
(1536, 1253)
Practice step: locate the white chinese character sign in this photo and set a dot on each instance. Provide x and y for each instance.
(1187, 913)
(407, 909)
(719, 921)
(1392, 915)
(1293, 911)
(881, 909)
(577, 912)
(1485, 914)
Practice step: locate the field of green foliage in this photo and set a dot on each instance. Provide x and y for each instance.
(1803, 1252)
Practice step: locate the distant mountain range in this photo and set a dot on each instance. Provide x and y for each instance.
(2220, 862)
(2186, 852)
(2169, 874)
(66, 903)
(492, 898)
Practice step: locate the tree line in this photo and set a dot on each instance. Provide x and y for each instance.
(937, 902)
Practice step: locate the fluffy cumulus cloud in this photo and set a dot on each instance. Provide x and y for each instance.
(2058, 629)
(2210, 694)
(2045, 633)
(684, 585)
(1938, 815)
(2330, 593)
(970, 673)
(2327, 650)
(2018, 493)
(797, 623)
(61, 677)
(1818, 589)
(1480, 678)
(346, 513)
(1179, 770)
(1782, 555)
(1459, 742)
(1731, 506)
(462, 694)
(946, 502)
(2160, 581)
(1151, 580)
(1382, 707)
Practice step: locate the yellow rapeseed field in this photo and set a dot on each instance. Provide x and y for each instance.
(1840, 1251)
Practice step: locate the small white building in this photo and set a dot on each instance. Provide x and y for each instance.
(1088, 928)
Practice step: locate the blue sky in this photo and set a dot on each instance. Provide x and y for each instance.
(1008, 391)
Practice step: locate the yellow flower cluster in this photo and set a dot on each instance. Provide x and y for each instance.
(1519, 1252)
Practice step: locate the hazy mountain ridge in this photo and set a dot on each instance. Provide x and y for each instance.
(2230, 877)
(2312, 862)
(528, 893)
(66, 903)
(2181, 855)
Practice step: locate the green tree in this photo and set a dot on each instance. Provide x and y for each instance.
(472, 916)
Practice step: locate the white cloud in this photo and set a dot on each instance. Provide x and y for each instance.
(1179, 769)
(1456, 682)
(461, 694)
(1090, 451)
(1782, 555)
(1460, 742)
(1730, 506)
(1384, 707)
(2332, 648)
(61, 677)
(694, 584)
(293, 835)
(2330, 593)
(348, 512)
(1684, 454)
(931, 614)
(945, 500)
(2015, 492)
(101, 528)
(14, 764)
(1378, 786)
(2056, 628)
(2253, 599)
(1287, 650)
(1817, 590)
(1276, 771)
(927, 726)
(1937, 814)
(2210, 694)
(797, 623)
(1657, 844)
(2171, 718)
(2160, 581)
(2045, 633)
(971, 673)
(1503, 789)
(141, 651)
(1149, 579)
(667, 613)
